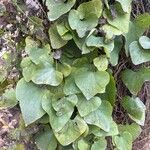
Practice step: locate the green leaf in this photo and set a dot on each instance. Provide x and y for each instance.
(101, 117)
(100, 144)
(110, 94)
(65, 104)
(98, 42)
(101, 63)
(82, 25)
(70, 52)
(144, 42)
(47, 75)
(133, 34)
(81, 43)
(126, 5)
(83, 145)
(135, 109)
(91, 105)
(114, 55)
(30, 98)
(61, 147)
(110, 31)
(123, 141)
(136, 29)
(58, 7)
(134, 129)
(121, 21)
(63, 30)
(28, 68)
(101, 133)
(64, 68)
(43, 73)
(45, 140)
(56, 40)
(70, 86)
(60, 111)
(57, 90)
(71, 131)
(91, 7)
(90, 82)
(85, 18)
(138, 55)
(139, 78)
(8, 99)
(34, 52)
(44, 119)
(81, 62)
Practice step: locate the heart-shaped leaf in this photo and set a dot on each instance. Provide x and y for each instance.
(56, 40)
(93, 41)
(81, 43)
(114, 55)
(101, 133)
(85, 18)
(121, 20)
(101, 117)
(138, 55)
(100, 144)
(134, 129)
(63, 30)
(30, 99)
(60, 111)
(83, 145)
(82, 25)
(71, 131)
(139, 78)
(28, 68)
(136, 29)
(8, 99)
(64, 68)
(144, 42)
(43, 73)
(135, 109)
(70, 86)
(64, 104)
(58, 7)
(132, 35)
(34, 52)
(90, 82)
(101, 63)
(91, 105)
(110, 94)
(123, 141)
(47, 75)
(110, 31)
